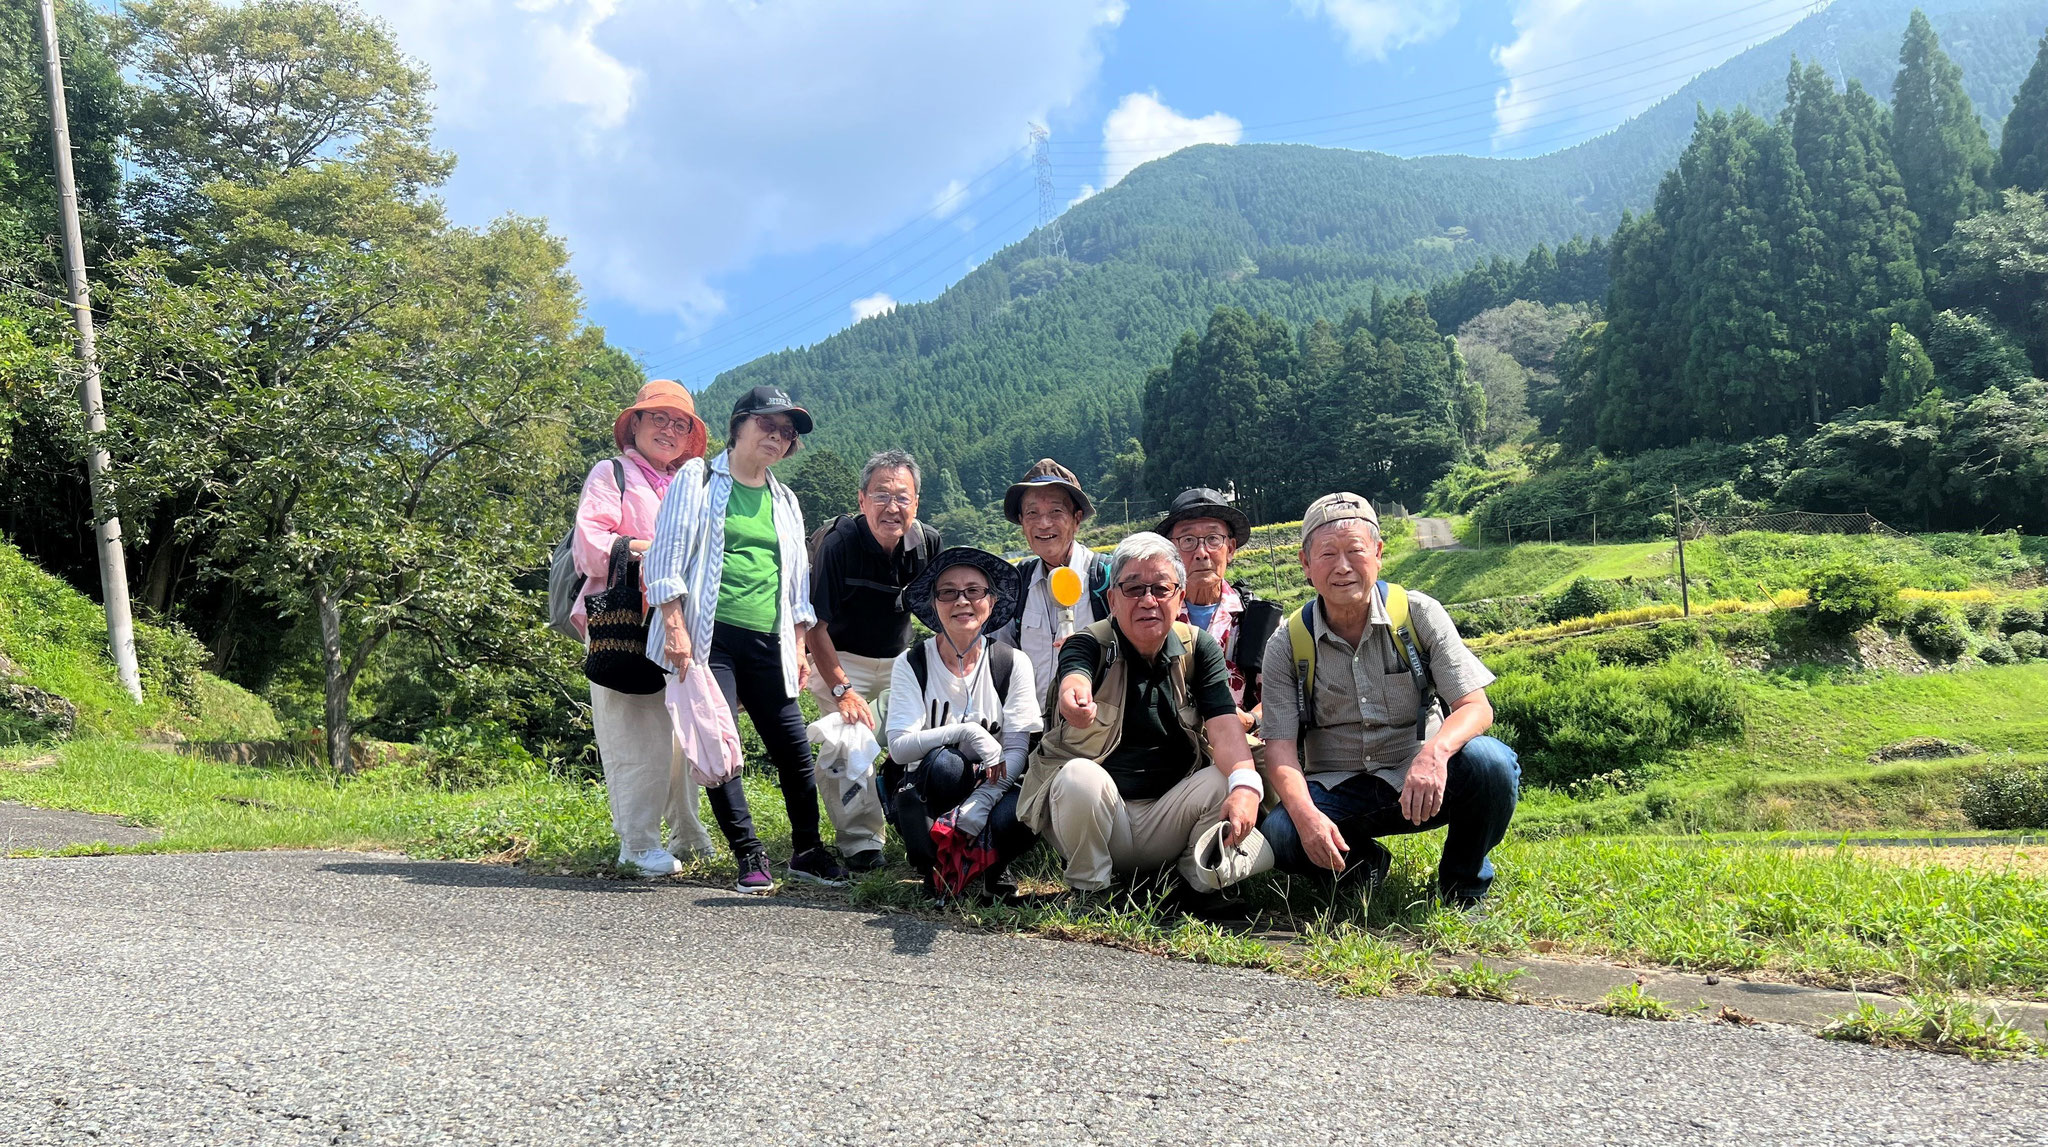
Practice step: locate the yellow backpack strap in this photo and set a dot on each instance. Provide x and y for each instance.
(1303, 642)
(1410, 653)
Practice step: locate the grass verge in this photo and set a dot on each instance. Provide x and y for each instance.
(1936, 1023)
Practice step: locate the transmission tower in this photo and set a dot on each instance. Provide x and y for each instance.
(1050, 241)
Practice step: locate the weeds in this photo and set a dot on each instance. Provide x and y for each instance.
(1629, 1001)
(1935, 1023)
(1480, 981)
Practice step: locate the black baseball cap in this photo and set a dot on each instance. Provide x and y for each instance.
(773, 400)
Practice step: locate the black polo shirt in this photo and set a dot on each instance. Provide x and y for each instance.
(857, 590)
(1153, 754)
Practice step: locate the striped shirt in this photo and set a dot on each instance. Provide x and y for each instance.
(688, 556)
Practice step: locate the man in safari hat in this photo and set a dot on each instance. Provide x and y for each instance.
(1048, 503)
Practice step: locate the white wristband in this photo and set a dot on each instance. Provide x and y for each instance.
(1248, 779)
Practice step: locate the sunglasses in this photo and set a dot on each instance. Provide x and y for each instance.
(1139, 591)
(953, 593)
(774, 429)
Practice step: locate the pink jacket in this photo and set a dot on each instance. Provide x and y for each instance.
(603, 516)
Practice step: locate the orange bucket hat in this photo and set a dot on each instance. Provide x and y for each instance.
(664, 394)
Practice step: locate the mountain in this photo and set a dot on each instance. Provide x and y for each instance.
(1033, 355)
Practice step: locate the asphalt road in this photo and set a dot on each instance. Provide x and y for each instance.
(344, 998)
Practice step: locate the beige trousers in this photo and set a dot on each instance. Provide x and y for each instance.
(857, 823)
(645, 774)
(1099, 832)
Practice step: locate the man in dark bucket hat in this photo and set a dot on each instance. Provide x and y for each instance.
(1208, 531)
(1048, 503)
(962, 711)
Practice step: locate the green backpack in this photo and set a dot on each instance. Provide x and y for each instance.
(1302, 640)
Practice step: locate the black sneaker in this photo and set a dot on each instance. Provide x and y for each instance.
(866, 860)
(819, 866)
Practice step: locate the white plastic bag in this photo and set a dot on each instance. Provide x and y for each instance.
(704, 726)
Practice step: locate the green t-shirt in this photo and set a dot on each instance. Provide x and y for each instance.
(750, 587)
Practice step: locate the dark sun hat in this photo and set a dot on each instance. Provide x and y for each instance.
(1202, 502)
(1045, 473)
(1005, 587)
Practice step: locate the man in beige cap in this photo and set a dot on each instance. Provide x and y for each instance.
(1374, 715)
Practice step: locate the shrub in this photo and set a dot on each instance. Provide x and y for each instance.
(1575, 719)
(2020, 618)
(1983, 616)
(1586, 597)
(2014, 797)
(1939, 630)
(2029, 644)
(170, 659)
(1998, 653)
(1495, 615)
(1846, 594)
(474, 757)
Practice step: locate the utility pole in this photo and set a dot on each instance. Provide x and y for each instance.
(113, 565)
(1678, 527)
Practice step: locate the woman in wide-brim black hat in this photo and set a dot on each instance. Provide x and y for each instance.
(962, 710)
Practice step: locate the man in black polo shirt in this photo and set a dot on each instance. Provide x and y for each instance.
(1146, 753)
(863, 564)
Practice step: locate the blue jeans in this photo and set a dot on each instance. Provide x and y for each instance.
(1480, 788)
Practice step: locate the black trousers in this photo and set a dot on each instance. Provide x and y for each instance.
(936, 787)
(748, 667)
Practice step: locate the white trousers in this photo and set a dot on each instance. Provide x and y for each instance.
(645, 774)
(857, 823)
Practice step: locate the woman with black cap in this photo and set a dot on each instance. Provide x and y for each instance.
(729, 577)
(962, 711)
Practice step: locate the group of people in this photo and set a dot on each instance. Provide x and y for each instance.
(1137, 710)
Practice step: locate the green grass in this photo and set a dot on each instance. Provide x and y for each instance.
(1936, 1023)
(1629, 1001)
(57, 639)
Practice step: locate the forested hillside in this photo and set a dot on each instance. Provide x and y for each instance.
(1028, 356)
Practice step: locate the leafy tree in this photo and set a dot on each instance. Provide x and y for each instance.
(1846, 594)
(1908, 372)
(1125, 478)
(1970, 354)
(1999, 263)
(366, 438)
(1943, 154)
(2023, 145)
(250, 92)
(1504, 384)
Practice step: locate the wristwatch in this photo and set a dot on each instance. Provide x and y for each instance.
(839, 691)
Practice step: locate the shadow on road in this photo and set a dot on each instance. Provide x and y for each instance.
(457, 874)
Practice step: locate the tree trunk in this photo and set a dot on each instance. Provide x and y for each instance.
(339, 681)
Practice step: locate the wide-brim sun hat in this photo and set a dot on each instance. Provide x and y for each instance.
(664, 394)
(1005, 586)
(1045, 474)
(1202, 502)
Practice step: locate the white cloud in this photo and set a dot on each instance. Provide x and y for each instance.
(869, 306)
(1141, 129)
(1577, 67)
(673, 142)
(950, 199)
(1372, 28)
(1088, 191)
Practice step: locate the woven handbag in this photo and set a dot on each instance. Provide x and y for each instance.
(617, 658)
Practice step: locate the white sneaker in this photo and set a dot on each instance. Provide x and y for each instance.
(653, 862)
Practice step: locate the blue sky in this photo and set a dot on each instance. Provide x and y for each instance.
(740, 176)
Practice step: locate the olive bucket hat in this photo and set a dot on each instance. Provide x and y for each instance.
(1006, 587)
(1045, 474)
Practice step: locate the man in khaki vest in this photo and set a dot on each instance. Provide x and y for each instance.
(1146, 764)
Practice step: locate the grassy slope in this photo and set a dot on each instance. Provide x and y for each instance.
(58, 639)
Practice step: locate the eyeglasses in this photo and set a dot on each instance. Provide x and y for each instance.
(890, 501)
(1139, 591)
(660, 421)
(773, 429)
(953, 593)
(1205, 542)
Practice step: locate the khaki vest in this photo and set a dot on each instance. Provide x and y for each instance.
(1063, 742)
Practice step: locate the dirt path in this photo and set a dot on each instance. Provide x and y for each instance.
(1435, 534)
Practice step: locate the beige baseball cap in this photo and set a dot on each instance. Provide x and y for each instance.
(1340, 507)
